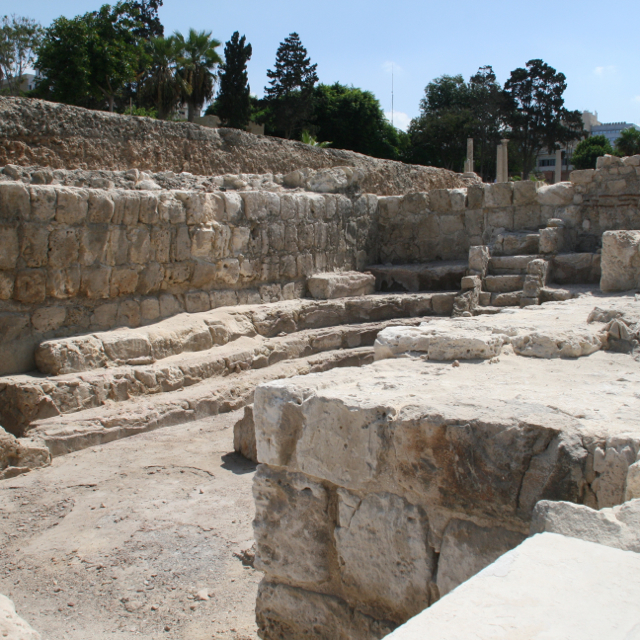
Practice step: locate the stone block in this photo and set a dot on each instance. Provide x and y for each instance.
(451, 224)
(128, 313)
(6, 285)
(420, 202)
(293, 533)
(551, 240)
(169, 305)
(117, 252)
(100, 208)
(231, 298)
(15, 201)
(232, 206)
(395, 580)
(63, 248)
(504, 283)
(467, 548)
(72, 205)
(475, 196)
(470, 282)
(556, 195)
(161, 244)
(608, 161)
(458, 199)
(202, 240)
(479, 260)
(149, 209)
(200, 208)
(527, 216)
(139, 245)
(170, 209)
(620, 262)
(498, 195)
(499, 218)
(150, 278)
(327, 286)
(104, 316)
(244, 435)
(524, 192)
(196, 301)
(48, 319)
(43, 203)
(440, 200)
(442, 304)
(127, 208)
(30, 286)
(95, 282)
(63, 283)
(259, 205)
(181, 244)
(228, 271)
(509, 299)
(150, 309)
(124, 281)
(9, 246)
(93, 242)
(582, 176)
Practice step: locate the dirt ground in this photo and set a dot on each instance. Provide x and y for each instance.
(135, 539)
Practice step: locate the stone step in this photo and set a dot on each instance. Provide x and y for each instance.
(503, 284)
(509, 299)
(64, 434)
(515, 243)
(430, 276)
(25, 398)
(202, 331)
(510, 265)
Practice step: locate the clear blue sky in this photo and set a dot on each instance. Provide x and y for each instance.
(595, 44)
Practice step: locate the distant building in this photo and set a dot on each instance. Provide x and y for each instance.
(27, 83)
(612, 130)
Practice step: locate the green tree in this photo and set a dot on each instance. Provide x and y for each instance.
(353, 119)
(162, 85)
(312, 141)
(198, 61)
(538, 118)
(628, 144)
(88, 60)
(589, 150)
(234, 98)
(19, 39)
(290, 94)
(149, 25)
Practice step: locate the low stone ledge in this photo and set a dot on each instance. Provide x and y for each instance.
(328, 286)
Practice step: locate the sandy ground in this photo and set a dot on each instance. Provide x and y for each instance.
(118, 541)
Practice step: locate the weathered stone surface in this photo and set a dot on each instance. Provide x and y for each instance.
(244, 435)
(479, 260)
(558, 586)
(438, 276)
(12, 626)
(327, 286)
(467, 548)
(503, 283)
(556, 195)
(394, 580)
(288, 612)
(20, 455)
(570, 344)
(620, 260)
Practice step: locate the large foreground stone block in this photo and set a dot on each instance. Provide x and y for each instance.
(548, 587)
(327, 286)
(620, 260)
(12, 626)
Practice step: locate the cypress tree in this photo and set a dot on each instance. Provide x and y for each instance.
(233, 105)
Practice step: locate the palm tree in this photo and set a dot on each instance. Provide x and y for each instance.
(197, 62)
(162, 83)
(312, 141)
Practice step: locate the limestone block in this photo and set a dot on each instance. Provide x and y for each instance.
(620, 262)
(270, 293)
(161, 244)
(139, 245)
(95, 282)
(232, 206)
(475, 196)
(15, 201)
(169, 306)
(497, 195)
(527, 216)
(150, 309)
(104, 316)
(170, 209)
(524, 192)
(332, 180)
(442, 303)
(124, 281)
(57, 357)
(333, 285)
(100, 207)
(127, 208)
(550, 586)
(150, 278)
(292, 527)
(611, 464)
(129, 316)
(632, 489)
(12, 626)
(9, 246)
(458, 199)
(149, 209)
(93, 242)
(6, 285)
(181, 249)
(117, 246)
(196, 301)
(420, 202)
(556, 195)
(552, 240)
(63, 248)
(440, 340)
(607, 161)
(201, 242)
(397, 578)
(470, 282)
(244, 435)
(221, 242)
(479, 260)
(562, 344)
(43, 203)
(617, 527)
(440, 200)
(30, 286)
(467, 548)
(177, 275)
(48, 319)
(231, 298)
(228, 271)
(451, 224)
(582, 177)
(504, 283)
(240, 240)
(63, 283)
(287, 612)
(258, 205)
(127, 347)
(631, 161)
(499, 218)
(200, 208)
(509, 299)
(72, 205)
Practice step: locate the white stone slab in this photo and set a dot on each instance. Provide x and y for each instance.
(550, 587)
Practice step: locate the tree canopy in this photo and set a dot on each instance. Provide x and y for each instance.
(628, 144)
(290, 90)
(589, 150)
(234, 98)
(19, 39)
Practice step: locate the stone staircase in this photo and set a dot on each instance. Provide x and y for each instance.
(99, 387)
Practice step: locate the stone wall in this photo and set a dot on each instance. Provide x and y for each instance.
(35, 132)
(75, 260)
(444, 223)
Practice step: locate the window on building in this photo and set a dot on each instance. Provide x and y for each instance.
(547, 162)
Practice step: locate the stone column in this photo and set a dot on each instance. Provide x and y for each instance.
(499, 164)
(505, 161)
(468, 165)
(558, 173)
